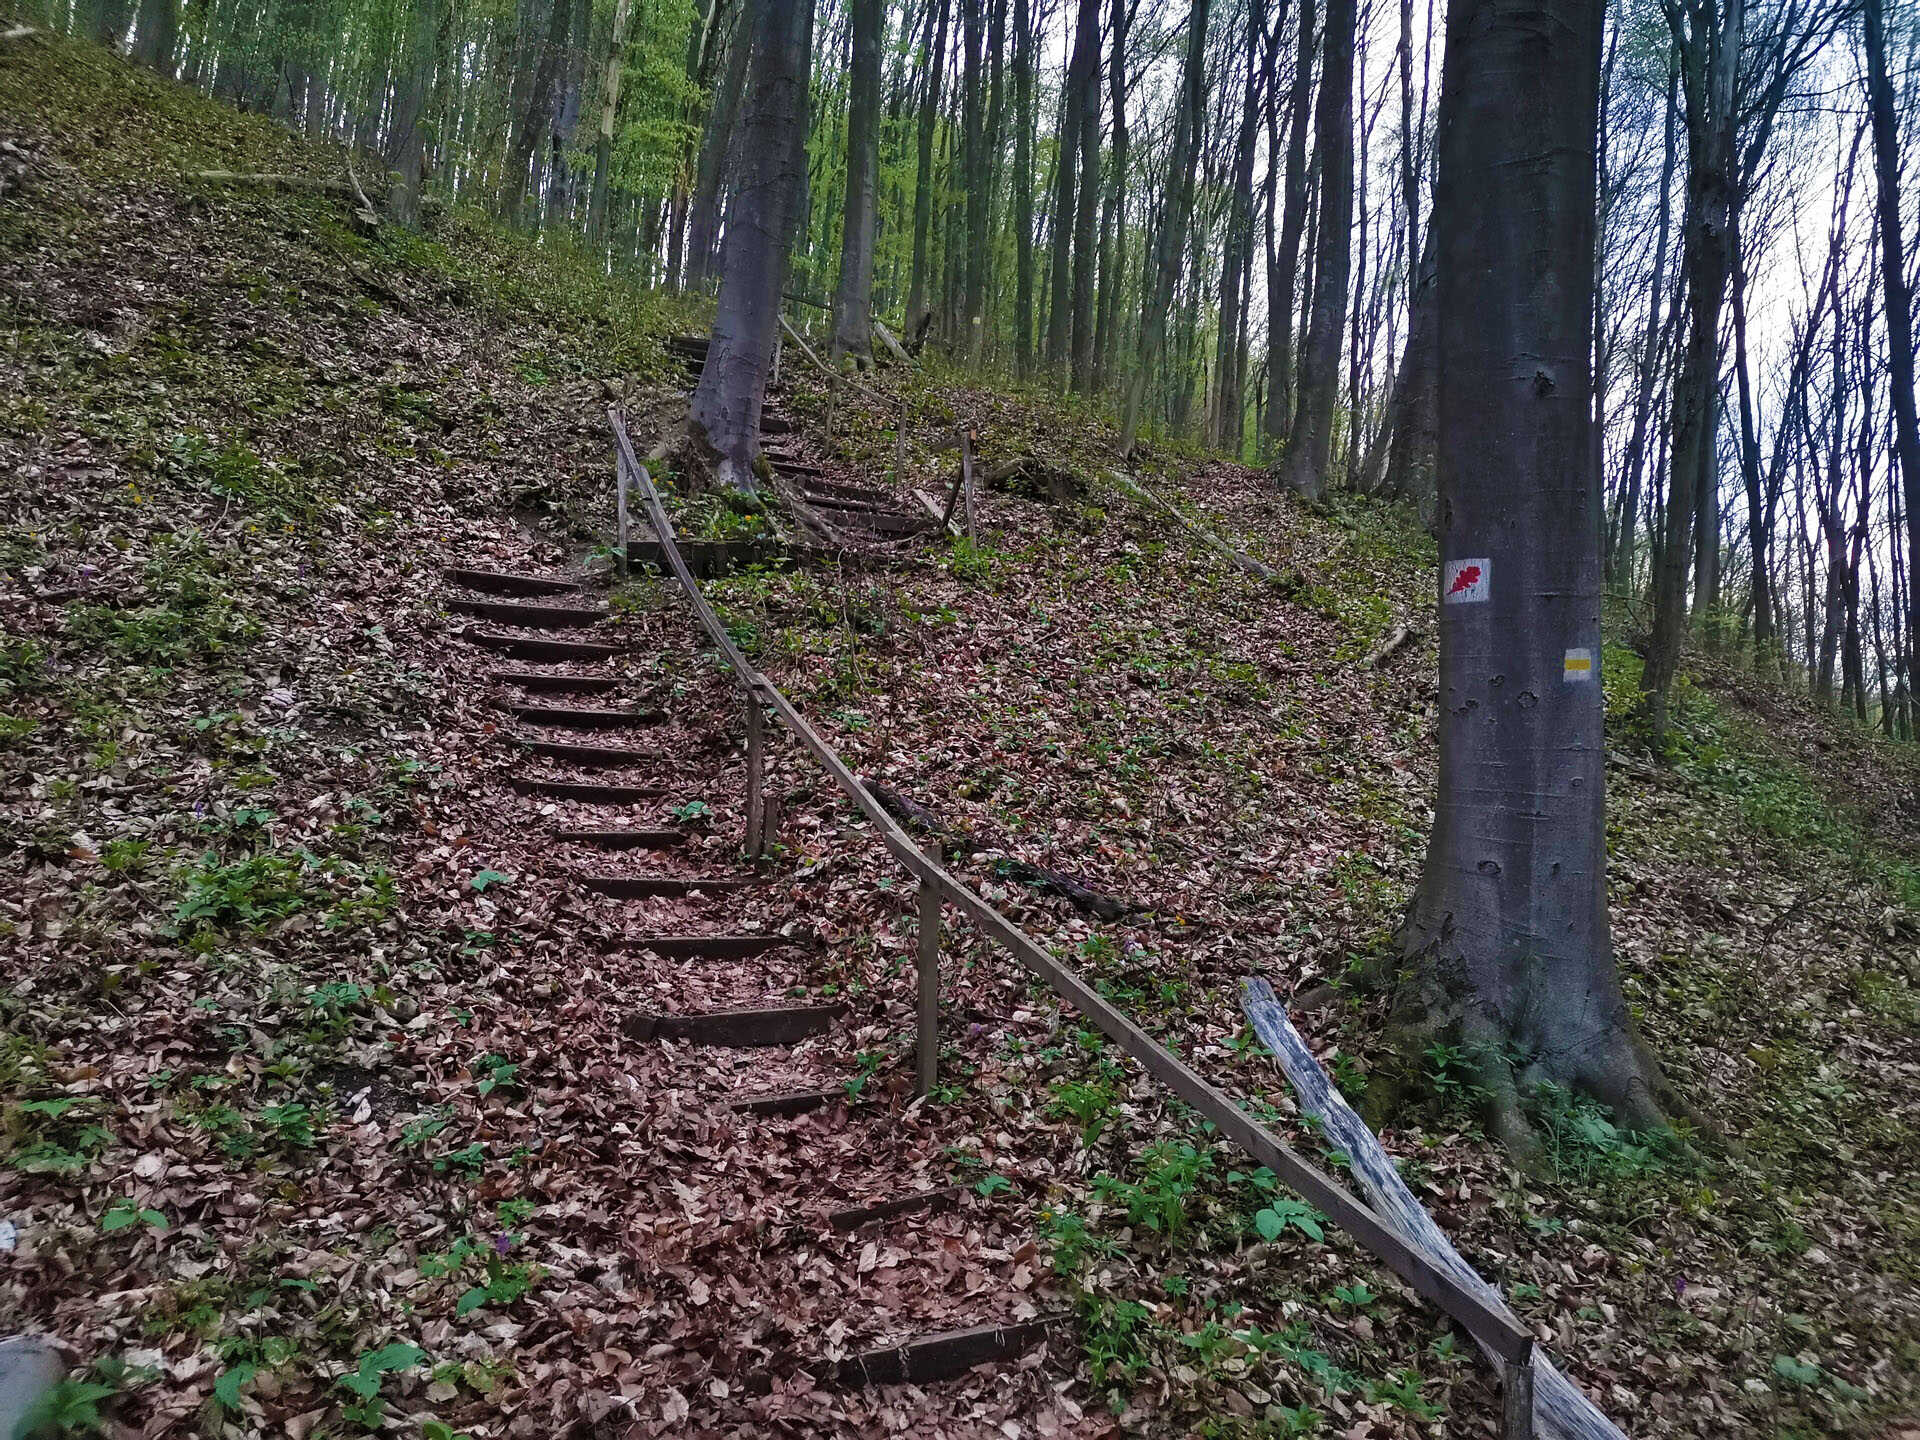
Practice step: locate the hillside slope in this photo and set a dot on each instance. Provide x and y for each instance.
(269, 926)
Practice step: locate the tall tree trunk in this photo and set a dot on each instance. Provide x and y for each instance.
(1284, 273)
(537, 121)
(716, 144)
(1023, 122)
(1413, 418)
(1061, 220)
(973, 256)
(725, 411)
(156, 33)
(1759, 513)
(609, 110)
(1227, 422)
(917, 311)
(1898, 298)
(1086, 255)
(1709, 65)
(1621, 553)
(406, 151)
(1113, 208)
(1170, 245)
(1304, 464)
(1508, 936)
(853, 302)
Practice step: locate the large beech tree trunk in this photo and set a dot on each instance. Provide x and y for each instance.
(1507, 943)
(609, 109)
(853, 303)
(1087, 195)
(766, 208)
(1022, 189)
(1303, 468)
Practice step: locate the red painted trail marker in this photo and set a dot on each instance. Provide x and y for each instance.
(1467, 582)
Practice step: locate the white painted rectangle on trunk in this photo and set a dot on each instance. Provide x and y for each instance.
(1466, 582)
(1579, 666)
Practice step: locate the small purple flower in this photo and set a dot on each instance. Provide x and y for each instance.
(1679, 1285)
(503, 1243)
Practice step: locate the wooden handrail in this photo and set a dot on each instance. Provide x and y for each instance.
(1499, 1333)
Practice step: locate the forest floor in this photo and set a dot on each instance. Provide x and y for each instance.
(298, 1057)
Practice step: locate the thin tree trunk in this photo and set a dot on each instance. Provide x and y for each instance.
(1283, 275)
(1113, 210)
(1171, 242)
(917, 311)
(1622, 550)
(405, 148)
(537, 120)
(853, 303)
(716, 144)
(1086, 255)
(609, 109)
(1227, 422)
(1023, 122)
(1303, 466)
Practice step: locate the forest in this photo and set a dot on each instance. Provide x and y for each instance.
(959, 717)
(1214, 220)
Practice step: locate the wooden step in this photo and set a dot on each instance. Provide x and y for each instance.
(499, 582)
(704, 947)
(580, 753)
(943, 1356)
(786, 1025)
(532, 617)
(577, 718)
(547, 682)
(944, 1198)
(537, 647)
(588, 792)
(641, 887)
(775, 424)
(793, 1102)
(622, 839)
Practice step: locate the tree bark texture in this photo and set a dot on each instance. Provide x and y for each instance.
(1303, 467)
(766, 209)
(853, 302)
(1507, 938)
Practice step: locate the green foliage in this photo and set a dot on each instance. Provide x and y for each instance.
(1170, 1171)
(124, 1212)
(365, 1381)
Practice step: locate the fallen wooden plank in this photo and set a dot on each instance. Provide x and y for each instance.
(944, 1198)
(530, 617)
(587, 792)
(932, 507)
(539, 647)
(782, 1025)
(1560, 1410)
(941, 1357)
(501, 582)
(1244, 562)
(642, 887)
(793, 1102)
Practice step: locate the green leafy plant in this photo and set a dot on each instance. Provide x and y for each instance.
(366, 1379)
(1276, 1218)
(124, 1212)
(493, 1072)
(486, 878)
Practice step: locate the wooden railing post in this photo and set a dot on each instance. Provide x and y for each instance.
(900, 444)
(620, 489)
(756, 768)
(966, 483)
(1516, 1399)
(927, 1046)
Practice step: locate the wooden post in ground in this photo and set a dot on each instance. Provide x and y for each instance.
(900, 444)
(927, 1046)
(1516, 1400)
(756, 767)
(966, 483)
(833, 401)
